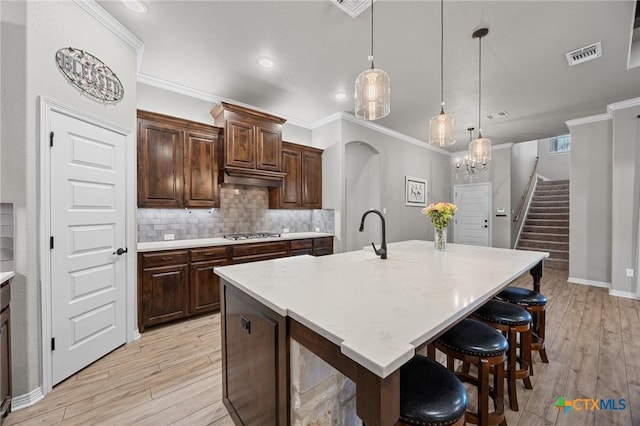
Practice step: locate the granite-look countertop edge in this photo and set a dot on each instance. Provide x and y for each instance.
(210, 242)
(5, 276)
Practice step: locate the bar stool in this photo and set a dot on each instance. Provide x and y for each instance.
(476, 343)
(511, 320)
(430, 395)
(535, 303)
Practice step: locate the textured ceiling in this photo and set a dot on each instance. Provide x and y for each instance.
(212, 46)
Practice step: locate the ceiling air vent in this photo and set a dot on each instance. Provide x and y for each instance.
(352, 8)
(584, 54)
(499, 114)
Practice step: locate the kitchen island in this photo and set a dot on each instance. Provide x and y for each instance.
(362, 315)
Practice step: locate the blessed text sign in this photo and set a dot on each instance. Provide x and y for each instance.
(89, 74)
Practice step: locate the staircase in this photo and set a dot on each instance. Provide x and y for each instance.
(546, 227)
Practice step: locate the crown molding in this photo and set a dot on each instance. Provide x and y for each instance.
(328, 119)
(587, 120)
(629, 103)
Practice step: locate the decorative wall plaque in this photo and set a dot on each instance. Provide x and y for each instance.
(89, 74)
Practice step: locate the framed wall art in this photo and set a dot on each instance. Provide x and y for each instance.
(415, 191)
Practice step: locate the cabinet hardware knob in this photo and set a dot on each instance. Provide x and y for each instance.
(245, 323)
(166, 258)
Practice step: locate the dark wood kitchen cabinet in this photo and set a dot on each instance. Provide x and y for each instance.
(322, 246)
(254, 361)
(5, 349)
(252, 139)
(178, 162)
(253, 252)
(162, 287)
(302, 186)
(204, 285)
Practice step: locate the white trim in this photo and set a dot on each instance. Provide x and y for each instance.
(27, 400)
(113, 25)
(587, 120)
(629, 103)
(324, 121)
(625, 294)
(589, 282)
(526, 210)
(46, 107)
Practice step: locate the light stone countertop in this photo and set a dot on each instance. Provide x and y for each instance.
(5, 276)
(209, 242)
(379, 311)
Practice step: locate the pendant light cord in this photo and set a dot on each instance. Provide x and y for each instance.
(372, 67)
(441, 56)
(479, 85)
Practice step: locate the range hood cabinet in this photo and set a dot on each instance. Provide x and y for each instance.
(240, 176)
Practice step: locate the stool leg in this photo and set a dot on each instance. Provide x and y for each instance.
(511, 370)
(525, 356)
(498, 388)
(541, 331)
(431, 351)
(483, 392)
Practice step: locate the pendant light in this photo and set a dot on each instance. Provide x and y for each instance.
(480, 148)
(373, 89)
(442, 126)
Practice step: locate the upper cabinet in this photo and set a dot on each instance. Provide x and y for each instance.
(178, 162)
(252, 142)
(302, 186)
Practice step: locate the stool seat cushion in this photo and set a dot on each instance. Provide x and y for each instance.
(430, 394)
(522, 296)
(474, 338)
(504, 313)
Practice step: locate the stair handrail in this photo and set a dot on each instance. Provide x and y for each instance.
(526, 191)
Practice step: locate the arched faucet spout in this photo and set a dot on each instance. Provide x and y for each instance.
(382, 252)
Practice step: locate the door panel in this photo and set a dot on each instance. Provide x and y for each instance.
(88, 225)
(269, 147)
(471, 224)
(240, 149)
(201, 170)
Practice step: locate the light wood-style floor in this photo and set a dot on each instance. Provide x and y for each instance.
(171, 375)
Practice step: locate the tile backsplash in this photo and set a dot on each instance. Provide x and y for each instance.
(242, 209)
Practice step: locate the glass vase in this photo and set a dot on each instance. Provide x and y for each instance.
(440, 239)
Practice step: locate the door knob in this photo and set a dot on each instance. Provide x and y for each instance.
(121, 251)
(486, 226)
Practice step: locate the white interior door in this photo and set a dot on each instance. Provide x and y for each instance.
(472, 220)
(87, 169)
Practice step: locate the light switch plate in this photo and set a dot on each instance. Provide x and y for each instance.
(168, 237)
(630, 272)
(317, 229)
(285, 230)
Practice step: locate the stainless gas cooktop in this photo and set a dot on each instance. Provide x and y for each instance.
(250, 235)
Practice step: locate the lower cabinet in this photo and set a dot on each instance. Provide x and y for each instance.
(254, 361)
(174, 284)
(5, 350)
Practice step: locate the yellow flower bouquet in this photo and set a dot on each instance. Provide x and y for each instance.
(440, 214)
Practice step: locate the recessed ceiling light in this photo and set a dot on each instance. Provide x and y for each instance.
(339, 96)
(136, 6)
(266, 62)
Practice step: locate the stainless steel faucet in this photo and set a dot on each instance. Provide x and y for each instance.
(382, 252)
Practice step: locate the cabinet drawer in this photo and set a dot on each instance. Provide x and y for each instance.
(323, 242)
(209, 253)
(301, 244)
(5, 295)
(164, 258)
(261, 251)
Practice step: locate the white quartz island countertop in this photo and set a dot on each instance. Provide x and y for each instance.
(210, 242)
(5, 276)
(378, 311)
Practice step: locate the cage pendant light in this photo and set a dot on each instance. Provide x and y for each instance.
(442, 127)
(480, 148)
(373, 89)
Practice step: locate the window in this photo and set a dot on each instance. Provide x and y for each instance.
(560, 144)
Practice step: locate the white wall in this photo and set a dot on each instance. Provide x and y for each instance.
(554, 166)
(155, 99)
(523, 157)
(499, 174)
(31, 34)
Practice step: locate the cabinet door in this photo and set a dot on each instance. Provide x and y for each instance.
(201, 168)
(164, 294)
(240, 148)
(5, 362)
(322, 246)
(269, 146)
(205, 286)
(254, 252)
(160, 174)
(290, 191)
(254, 357)
(311, 179)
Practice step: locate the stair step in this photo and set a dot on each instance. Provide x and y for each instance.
(544, 245)
(548, 216)
(546, 222)
(553, 254)
(553, 182)
(545, 197)
(549, 204)
(549, 210)
(563, 230)
(542, 236)
(552, 190)
(556, 263)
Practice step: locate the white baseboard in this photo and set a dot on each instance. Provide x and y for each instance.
(625, 294)
(589, 282)
(27, 400)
